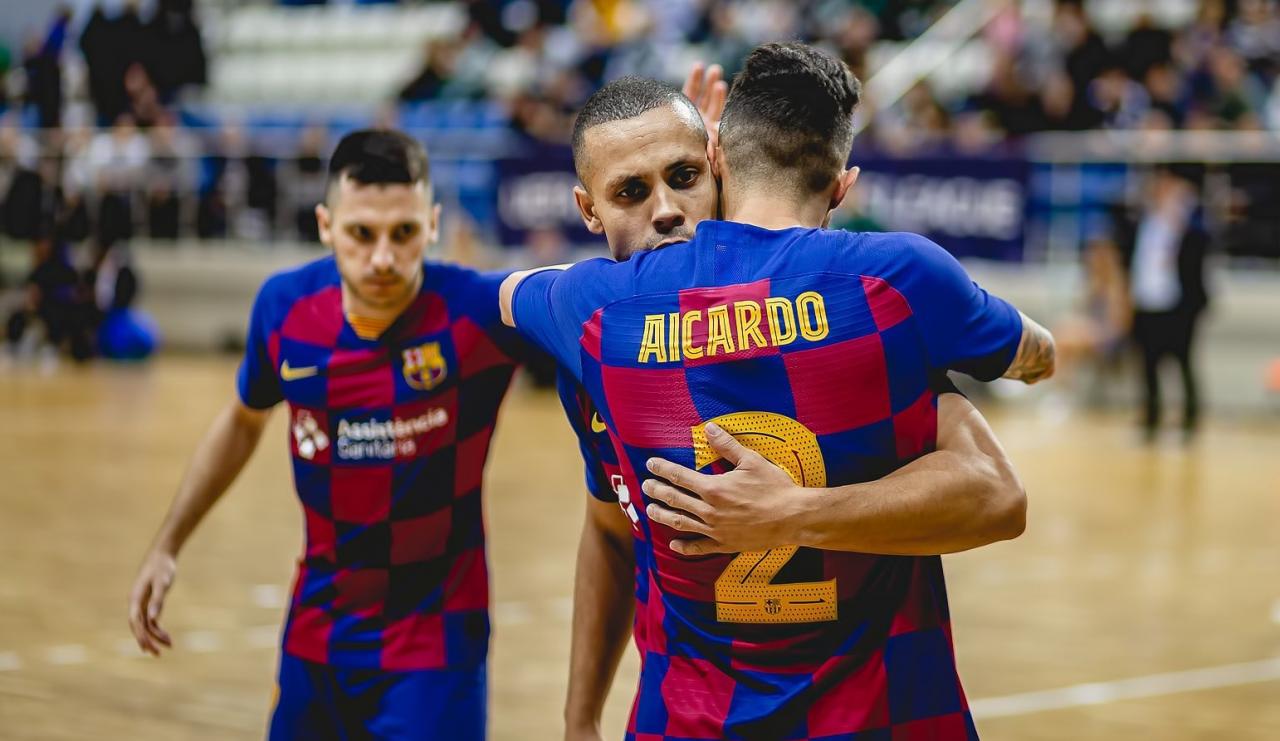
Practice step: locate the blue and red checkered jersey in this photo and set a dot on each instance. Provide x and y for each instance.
(600, 461)
(822, 350)
(389, 438)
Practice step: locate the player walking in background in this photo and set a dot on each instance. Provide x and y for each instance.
(820, 350)
(393, 369)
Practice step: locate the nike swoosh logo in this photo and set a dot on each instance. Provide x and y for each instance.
(597, 424)
(293, 374)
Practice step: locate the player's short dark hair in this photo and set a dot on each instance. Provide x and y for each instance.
(625, 98)
(380, 157)
(789, 117)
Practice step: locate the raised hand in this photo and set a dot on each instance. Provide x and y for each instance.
(705, 86)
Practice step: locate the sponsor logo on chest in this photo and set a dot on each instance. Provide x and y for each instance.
(386, 439)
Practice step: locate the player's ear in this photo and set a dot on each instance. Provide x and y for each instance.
(844, 184)
(324, 220)
(587, 209)
(433, 230)
(715, 156)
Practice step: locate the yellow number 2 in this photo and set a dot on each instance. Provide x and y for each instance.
(745, 592)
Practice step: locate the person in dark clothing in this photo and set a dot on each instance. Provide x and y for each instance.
(178, 58)
(111, 46)
(1085, 54)
(20, 207)
(1146, 46)
(1165, 244)
(436, 71)
(42, 65)
(54, 298)
(106, 88)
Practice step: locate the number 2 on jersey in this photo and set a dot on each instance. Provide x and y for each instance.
(745, 592)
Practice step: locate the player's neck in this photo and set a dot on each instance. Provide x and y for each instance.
(767, 211)
(352, 305)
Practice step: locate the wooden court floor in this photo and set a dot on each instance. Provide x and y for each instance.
(1143, 601)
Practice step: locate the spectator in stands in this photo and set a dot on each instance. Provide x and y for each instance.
(1192, 45)
(853, 31)
(439, 62)
(143, 104)
(906, 19)
(53, 299)
(117, 161)
(1061, 109)
(916, 122)
(177, 49)
(238, 197)
(1121, 101)
(20, 185)
(1145, 47)
(975, 132)
(1084, 53)
(1255, 36)
(5, 61)
(307, 181)
(1272, 113)
(1235, 92)
(1166, 92)
(170, 175)
(110, 47)
(1164, 244)
(1013, 105)
(43, 66)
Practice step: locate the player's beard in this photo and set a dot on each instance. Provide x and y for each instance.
(680, 233)
(391, 298)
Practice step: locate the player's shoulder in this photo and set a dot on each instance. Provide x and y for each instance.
(439, 274)
(465, 289)
(882, 253)
(284, 287)
(599, 279)
(899, 243)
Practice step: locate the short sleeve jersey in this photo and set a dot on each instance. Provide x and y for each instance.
(600, 461)
(823, 351)
(388, 439)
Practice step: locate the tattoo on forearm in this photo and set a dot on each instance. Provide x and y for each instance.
(1035, 358)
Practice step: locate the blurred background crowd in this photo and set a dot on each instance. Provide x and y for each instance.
(176, 121)
(109, 118)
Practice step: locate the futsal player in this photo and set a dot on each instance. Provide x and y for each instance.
(822, 352)
(393, 370)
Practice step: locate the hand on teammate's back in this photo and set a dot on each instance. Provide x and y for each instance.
(707, 89)
(155, 578)
(746, 509)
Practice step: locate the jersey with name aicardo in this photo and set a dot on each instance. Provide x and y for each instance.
(389, 438)
(822, 350)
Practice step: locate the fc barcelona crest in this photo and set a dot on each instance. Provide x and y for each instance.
(424, 366)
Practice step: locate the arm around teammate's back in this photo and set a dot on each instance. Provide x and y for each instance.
(964, 327)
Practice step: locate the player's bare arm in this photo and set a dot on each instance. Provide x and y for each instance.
(225, 449)
(603, 605)
(964, 495)
(1034, 360)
